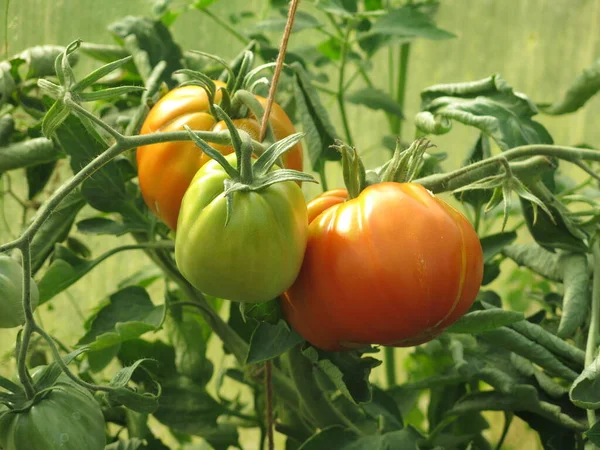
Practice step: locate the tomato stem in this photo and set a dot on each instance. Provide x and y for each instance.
(594, 331)
(390, 366)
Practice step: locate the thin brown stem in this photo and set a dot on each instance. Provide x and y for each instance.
(278, 67)
(263, 131)
(269, 401)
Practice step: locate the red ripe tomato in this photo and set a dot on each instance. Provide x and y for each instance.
(166, 170)
(394, 266)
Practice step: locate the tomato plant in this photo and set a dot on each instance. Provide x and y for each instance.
(396, 256)
(259, 308)
(165, 170)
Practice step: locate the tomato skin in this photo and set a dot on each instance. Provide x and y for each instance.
(68, 418)
(394, 266)
(11, 293)
(166, 170)
(258, 254)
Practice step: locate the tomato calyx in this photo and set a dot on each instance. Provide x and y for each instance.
(402, 168)
(249, 176)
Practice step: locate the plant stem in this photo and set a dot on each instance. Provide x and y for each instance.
(340, 89)
(508, 417)
(244, 40)
(390, 366)
(24, 376)
(465, 175)
(401, 86)
(594, 331)
(58, 359)
(269, 402)
(477, 218)
(323, 176)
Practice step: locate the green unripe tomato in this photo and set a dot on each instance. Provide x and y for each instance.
(11, 292)
(67, 418)
(258, 254)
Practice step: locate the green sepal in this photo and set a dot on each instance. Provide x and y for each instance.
(247, 62)
(246, 84)
(406, 164)
(213, 153)
(217, 59)
(271, 156)
(52, 90)
(105, 94)
(247, 99)
(99, 73)
(355, 176)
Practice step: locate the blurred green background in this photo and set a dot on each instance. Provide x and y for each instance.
(538, 46)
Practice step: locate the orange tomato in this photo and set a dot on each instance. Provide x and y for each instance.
(394, 266)
(166, 170)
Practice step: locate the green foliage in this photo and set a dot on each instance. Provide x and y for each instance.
(528, 350)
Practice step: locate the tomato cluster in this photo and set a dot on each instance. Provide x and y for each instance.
(393, 266)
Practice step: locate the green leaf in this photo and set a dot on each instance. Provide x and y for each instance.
(576, 300)
(494, 244)
(49, 374)
(38, 177)
(408, 22)
(144, 403)
(585, 86)
(524, 398)
(128, 314)
(54, 118)
(164, 355)
(187, 408)
(515, 342)
(338, 438)
(480, 321)
(55, 229)
(103, 52)
(129, 444)
(7, 128)
(489, 104)
(556, 231)
(316, 124)
(199, 4)
(341, 8)
(40, 60)
(105, 190)
(585, 391)
(302, 21)
(143, 277)
(535, 258)
(593, 434)
(348, 371)
(104, 226)
(480, 151)
(376, 99)
(269, 312)
(385, 410)
(66, 269)
(188, 334)
(269, 341)
(28, 153)
(7, 83)
(550, 341)
(153, 38)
